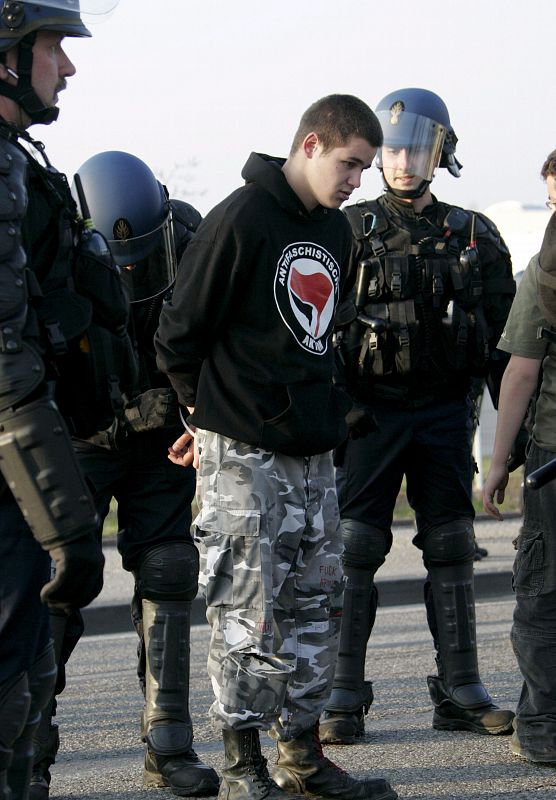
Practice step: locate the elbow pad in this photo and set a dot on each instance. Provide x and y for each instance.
(40, 467)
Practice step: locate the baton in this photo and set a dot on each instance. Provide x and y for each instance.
(539, 477)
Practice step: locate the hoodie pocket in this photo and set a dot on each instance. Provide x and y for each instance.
(313, 422)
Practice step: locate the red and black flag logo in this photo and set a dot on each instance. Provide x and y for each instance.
(306, 292)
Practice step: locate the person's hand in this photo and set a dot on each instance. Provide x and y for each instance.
(495, 484)
(184, 450)
(360, 421)
(78, 579)
(517, 454)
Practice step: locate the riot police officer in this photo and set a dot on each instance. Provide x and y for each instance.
(434, 287)
(147, 234)
(46, 510)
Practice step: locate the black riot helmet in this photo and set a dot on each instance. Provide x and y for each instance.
(127, 204)
(418, 138)
(20, 21)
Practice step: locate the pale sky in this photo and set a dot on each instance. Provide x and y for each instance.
(174, 81)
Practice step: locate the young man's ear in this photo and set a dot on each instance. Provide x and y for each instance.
(310, 144)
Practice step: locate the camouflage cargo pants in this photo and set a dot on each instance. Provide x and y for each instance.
(269, 537)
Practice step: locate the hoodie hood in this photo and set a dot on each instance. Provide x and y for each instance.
(266, 172)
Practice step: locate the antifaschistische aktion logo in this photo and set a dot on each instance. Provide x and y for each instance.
(306, 291)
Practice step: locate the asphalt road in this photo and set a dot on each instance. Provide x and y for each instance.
(101, 752)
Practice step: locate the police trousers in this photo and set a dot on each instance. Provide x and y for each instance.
(431, 447)
(534, 625)
(24, 569)
(270, 545)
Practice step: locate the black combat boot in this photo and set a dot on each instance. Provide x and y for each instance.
(343, 719)
(15, 700)
(461, 702)
(46, 745)
(245, 775)
(170, 760)
(303, 768)
(467, 708)
(46, 742)
(41, 677)
(185, 774)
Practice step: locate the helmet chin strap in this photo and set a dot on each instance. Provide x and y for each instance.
(406, 194)
(23, 94)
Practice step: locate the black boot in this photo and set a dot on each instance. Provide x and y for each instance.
(467, 708)
(303, 768)
(41, 677)
(245, 774)
(343, 719)
(46, 745)
(167, 730)
(15, 701)
(461, 702)
(185, 774)
(46, 742)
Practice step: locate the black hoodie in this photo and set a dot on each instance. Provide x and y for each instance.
(246, 337)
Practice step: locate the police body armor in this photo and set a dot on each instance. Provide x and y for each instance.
(83, 311)
(154, 403)
(418, 298)
(48, 309)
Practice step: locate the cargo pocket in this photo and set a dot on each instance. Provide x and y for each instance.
(528, 569)
(229, 545)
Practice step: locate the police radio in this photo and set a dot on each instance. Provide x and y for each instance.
(94, 242)
(470, 262)
(469, 258)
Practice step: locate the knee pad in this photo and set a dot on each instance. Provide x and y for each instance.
(168, 571)
(450, 543)
(365, 547)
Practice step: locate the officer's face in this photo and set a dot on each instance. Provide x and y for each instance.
(333, 175)
(51, 67)
(405, 167)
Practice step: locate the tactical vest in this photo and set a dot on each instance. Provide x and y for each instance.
(418, 302)
(83, 314)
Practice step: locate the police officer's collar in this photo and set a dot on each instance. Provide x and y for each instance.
(402, 208)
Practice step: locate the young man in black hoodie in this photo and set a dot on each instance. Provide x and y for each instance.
(246, 343)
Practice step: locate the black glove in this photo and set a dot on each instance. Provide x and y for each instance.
(360, 421)
(518, 451)
(78, 578)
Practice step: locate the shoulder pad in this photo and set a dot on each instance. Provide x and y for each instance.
(457, 219)
(186, 214)
(366, 218)
(186, 221)
(13, 193)
(486, 228)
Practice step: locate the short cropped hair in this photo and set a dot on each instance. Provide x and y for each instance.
(335, 119)
(549, 166)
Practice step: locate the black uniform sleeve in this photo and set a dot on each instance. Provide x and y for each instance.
(37, 459)
(498, 287)
(21, 368)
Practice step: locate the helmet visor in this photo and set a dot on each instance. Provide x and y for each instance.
(148, 263)
(412, 146)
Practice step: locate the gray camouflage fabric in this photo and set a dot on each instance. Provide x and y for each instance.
(270, 544)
